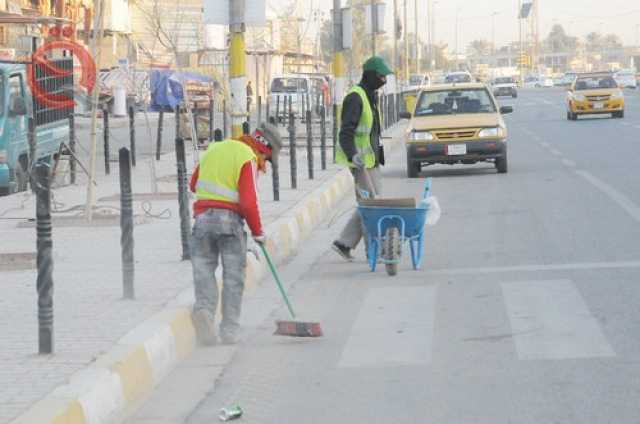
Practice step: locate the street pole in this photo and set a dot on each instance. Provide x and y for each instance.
(374, 27)
(338, 60)
(415, 21)
(395, 55)
(237, 67)
(406, 43)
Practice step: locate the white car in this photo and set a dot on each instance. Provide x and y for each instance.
(505, 86)
(626, 79)
(458, 77)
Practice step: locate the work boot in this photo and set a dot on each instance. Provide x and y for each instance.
(229, 337)
(343, 251)
(205, 328)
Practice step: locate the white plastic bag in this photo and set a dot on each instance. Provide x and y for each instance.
(434, 211)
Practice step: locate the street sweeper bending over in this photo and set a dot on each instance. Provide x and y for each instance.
(225, 186)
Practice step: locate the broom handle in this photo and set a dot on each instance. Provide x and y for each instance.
(277, 278)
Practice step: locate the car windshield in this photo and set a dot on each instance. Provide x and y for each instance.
(288, 85)
(507, 80)
(447, 102)
(595, 82)
(456, 78)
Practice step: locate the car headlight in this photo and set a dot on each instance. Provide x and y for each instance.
(617, 94)
(420, 136)
(579, 97)
(491, 132)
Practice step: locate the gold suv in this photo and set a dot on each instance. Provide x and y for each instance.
(594, 93)
(456, 123)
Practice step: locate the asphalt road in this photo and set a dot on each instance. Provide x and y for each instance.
(526, 309)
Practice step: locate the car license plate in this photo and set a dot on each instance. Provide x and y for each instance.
(456, 149)
(598, 105)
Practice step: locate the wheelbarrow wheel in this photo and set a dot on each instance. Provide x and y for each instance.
(392, 250)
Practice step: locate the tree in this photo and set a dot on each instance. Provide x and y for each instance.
(594, 41)
(559, 41)
(326, 40)
(479, 48)
(611, 41)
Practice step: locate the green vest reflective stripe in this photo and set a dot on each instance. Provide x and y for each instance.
(362, 137)
(220, 168)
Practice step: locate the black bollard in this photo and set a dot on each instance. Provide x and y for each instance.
(72, 148)
(323, 137)
(159, 138)
(211, 123)
(303, 110)
(183, 199)
(245, 128)
(268, 110)
(292, 151)
(334, 133)
(44, 245)
(309, 145)
(177, 115)
(105, 138)
(259, 111)
(126, 224)
(31, 140)
(275, 179)
(278, 108)
(217, 135)
(132, 135)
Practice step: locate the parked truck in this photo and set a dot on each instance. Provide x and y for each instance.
(17, 107)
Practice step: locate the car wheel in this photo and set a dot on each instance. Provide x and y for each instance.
(501, 163)
(568, 116)
(618, 114)
(413, 168)
(514, 95)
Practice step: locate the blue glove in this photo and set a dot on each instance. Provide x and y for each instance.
(357, 161)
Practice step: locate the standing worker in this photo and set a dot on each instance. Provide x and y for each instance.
(225, 187)
(249, 96)
(359, 145)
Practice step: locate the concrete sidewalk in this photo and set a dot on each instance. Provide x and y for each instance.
(109, 352)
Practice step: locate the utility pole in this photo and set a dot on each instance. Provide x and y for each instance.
(374, 27)
(395, 37)
(406, 43)
(237, 67)
(415, 21)
(338, 59)
(96, 49)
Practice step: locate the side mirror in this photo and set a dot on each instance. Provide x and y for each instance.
(17, 105)
(506, 109)
(405, 115)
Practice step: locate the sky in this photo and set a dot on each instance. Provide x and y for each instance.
(578, 17)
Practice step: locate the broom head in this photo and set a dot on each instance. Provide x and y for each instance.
(298, 329)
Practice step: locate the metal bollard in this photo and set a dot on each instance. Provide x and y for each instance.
(334, 134)
(275, 179)
(132, 135)
(126, 224)
(292, 151)
(211, 123)
(309, 145)
(245, 128)
(159, 138)
(177, 115)
(278, 108)
(303, 110)
(259, 111)
(105, 138)
(323, 137)
(217, 135)
(183, 199)
(224, 118)
(268, 110)
(72, 148)
(44, 245)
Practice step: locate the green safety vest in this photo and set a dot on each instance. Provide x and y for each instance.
(363, 133)
(220, 170)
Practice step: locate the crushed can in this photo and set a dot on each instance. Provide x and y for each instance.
(232, 413)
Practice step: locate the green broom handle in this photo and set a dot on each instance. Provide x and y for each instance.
(277, 278)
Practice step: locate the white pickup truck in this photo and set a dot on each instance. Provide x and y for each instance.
(504, 86)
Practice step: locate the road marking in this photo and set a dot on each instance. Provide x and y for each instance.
(579, 266)
(623, 201)
(569, 163)
(555, 152)
(550, 320)
(394, 327)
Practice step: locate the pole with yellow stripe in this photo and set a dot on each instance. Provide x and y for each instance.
(237, 67)
(340, 86)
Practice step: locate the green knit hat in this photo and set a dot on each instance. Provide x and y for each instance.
(376, 63)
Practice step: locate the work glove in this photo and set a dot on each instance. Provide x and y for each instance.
(358, 161)
(260, 239)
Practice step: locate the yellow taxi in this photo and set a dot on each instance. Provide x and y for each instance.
(594, 93)
(456, 124)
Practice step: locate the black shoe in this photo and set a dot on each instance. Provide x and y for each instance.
(342, 250)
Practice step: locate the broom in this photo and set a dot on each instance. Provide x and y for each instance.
(290, 328)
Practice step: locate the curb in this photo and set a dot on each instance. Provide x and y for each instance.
(119, 381)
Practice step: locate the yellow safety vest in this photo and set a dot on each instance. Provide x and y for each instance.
(363, 133)
(220, 170)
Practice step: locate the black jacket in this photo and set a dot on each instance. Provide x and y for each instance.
(351, 112)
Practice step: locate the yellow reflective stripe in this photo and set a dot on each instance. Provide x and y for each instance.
(363, 129)
(364, 150)
(216, 189)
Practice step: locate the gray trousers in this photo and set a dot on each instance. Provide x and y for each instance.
(219, 234)
(353, 231)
